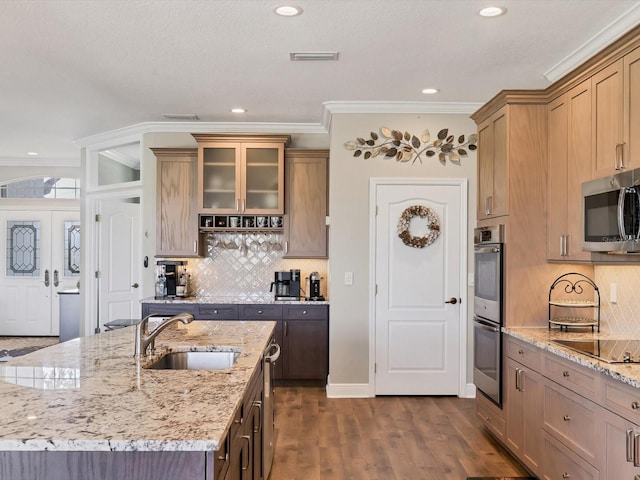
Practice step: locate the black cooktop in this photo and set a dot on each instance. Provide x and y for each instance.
(610, 351)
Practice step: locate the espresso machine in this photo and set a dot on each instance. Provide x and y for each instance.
(286, 285)
(174, 273)
(313, 287)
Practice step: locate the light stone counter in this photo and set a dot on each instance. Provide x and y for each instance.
(90, 394)
(248, 299)
(542, 338)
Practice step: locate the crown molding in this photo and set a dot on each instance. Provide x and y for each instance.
(402, 107)
(135, 132)
(40, 162)
(600, 40)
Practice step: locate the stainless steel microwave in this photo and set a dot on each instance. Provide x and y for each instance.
(611, 213)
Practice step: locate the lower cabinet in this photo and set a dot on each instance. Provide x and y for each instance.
(563, 420)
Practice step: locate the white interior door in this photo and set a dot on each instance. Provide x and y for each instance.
(417, 334)
(119, 260)
(35, 252)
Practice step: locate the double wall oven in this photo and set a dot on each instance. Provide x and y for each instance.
(487, 311)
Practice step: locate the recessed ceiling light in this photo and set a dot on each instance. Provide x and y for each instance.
(312, 56)
(493, 11)
(287, 10)
(33, 154)
(430, 91)
(180, 116)
(238, 110)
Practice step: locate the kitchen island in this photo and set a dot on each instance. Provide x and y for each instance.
(88, 409)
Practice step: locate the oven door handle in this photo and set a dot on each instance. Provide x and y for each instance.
(486, 249)
(490, 327)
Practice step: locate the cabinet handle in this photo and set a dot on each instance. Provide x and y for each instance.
(224, 458)
(518, 379)
(258, 404)
(636, 449)
(248, 439)
(618, 161)
(286, 329)
(565, 374)
(487, 206)
(562, 245)
(237, 205)
(286, 247)
(566, 418)
(566, 475)
(630, 444)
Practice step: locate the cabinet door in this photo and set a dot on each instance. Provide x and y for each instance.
(306, 180)
(219, 177)
(607, 91)
(557, 195)
(306, 346)
(632, 108)
(492, 166)
(620, 442)
(262, 190)
(177, 219)
(523, 398)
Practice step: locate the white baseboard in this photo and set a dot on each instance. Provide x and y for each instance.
(348, 390)
(469, 391)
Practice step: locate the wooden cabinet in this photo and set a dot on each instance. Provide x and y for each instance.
(177, 218)
(621, 438)
(562, 463)
(241, 174)
(631, 127)
(492, 165)
(306, 203)
(491, 416)
(305, 343)
(169, 309)
(523, 407)
(569, 149)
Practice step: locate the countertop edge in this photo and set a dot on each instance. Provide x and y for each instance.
(615, 371)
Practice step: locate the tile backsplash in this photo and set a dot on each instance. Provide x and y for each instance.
(243, 265)
(624, 315)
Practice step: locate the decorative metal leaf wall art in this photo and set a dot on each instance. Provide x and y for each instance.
(405, 147)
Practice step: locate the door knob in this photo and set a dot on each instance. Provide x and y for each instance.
(452, 301)
(135, 285)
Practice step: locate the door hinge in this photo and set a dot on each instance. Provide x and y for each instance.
(376, 292)
(98, 274)
(376, 210)
(375, 368)
(98, 217)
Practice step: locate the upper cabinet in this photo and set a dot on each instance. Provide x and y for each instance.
(177, 218)
(569, 151)
(306, 192)
(241, 174)
(492, 165)
(616, 116)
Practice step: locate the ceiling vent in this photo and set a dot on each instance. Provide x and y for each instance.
(180, 116)
(313, 56)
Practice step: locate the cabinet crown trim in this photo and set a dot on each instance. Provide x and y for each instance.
(252, 138)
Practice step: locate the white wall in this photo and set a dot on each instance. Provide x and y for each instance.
(349, 231)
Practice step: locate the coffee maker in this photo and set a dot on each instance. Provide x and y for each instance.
(286, 285)
(176, 280)
(313, 287)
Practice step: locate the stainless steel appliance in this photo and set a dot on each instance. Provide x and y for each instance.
(286, 285)
(313, 287)
(610, 351)
(174, 273)
(611, 213)
(487, 311)
(268, 419)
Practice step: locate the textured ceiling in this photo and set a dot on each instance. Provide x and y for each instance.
(77, 68)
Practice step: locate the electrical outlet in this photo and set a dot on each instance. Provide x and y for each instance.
(348, 278)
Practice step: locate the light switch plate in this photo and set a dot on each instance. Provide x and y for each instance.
(348, 278)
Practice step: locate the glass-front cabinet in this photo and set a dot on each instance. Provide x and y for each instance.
(241, 174)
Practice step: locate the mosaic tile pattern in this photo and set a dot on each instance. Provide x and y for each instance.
(624, 316)
(243, 266)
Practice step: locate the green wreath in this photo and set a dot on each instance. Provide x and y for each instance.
(405, 222)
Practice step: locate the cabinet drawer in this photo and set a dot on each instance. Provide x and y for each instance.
(622, 399)
(572, 376)
(490, 416)
(302, 312)
(260, 312)
(217, 312)
(561, 463)
(524, 353)
(169, 309)
(573, 419)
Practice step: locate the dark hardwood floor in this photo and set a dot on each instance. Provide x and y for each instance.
(409, 438)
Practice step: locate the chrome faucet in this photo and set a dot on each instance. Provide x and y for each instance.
(145, 340)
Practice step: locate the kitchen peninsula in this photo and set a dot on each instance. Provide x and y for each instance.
(87, 409)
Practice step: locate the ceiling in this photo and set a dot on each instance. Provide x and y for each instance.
(74, 69)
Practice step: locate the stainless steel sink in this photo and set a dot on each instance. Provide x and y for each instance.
(217, 360)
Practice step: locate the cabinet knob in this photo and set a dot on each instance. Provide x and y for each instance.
(566, 418)
(635, 405)
(304, 312)
(566, 475)
(259, 312)
(215, 311)
(520, 352)
(565, 374)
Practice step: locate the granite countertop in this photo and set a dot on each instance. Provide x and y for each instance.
(543, 337)
(259, 300)
(90, 394)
